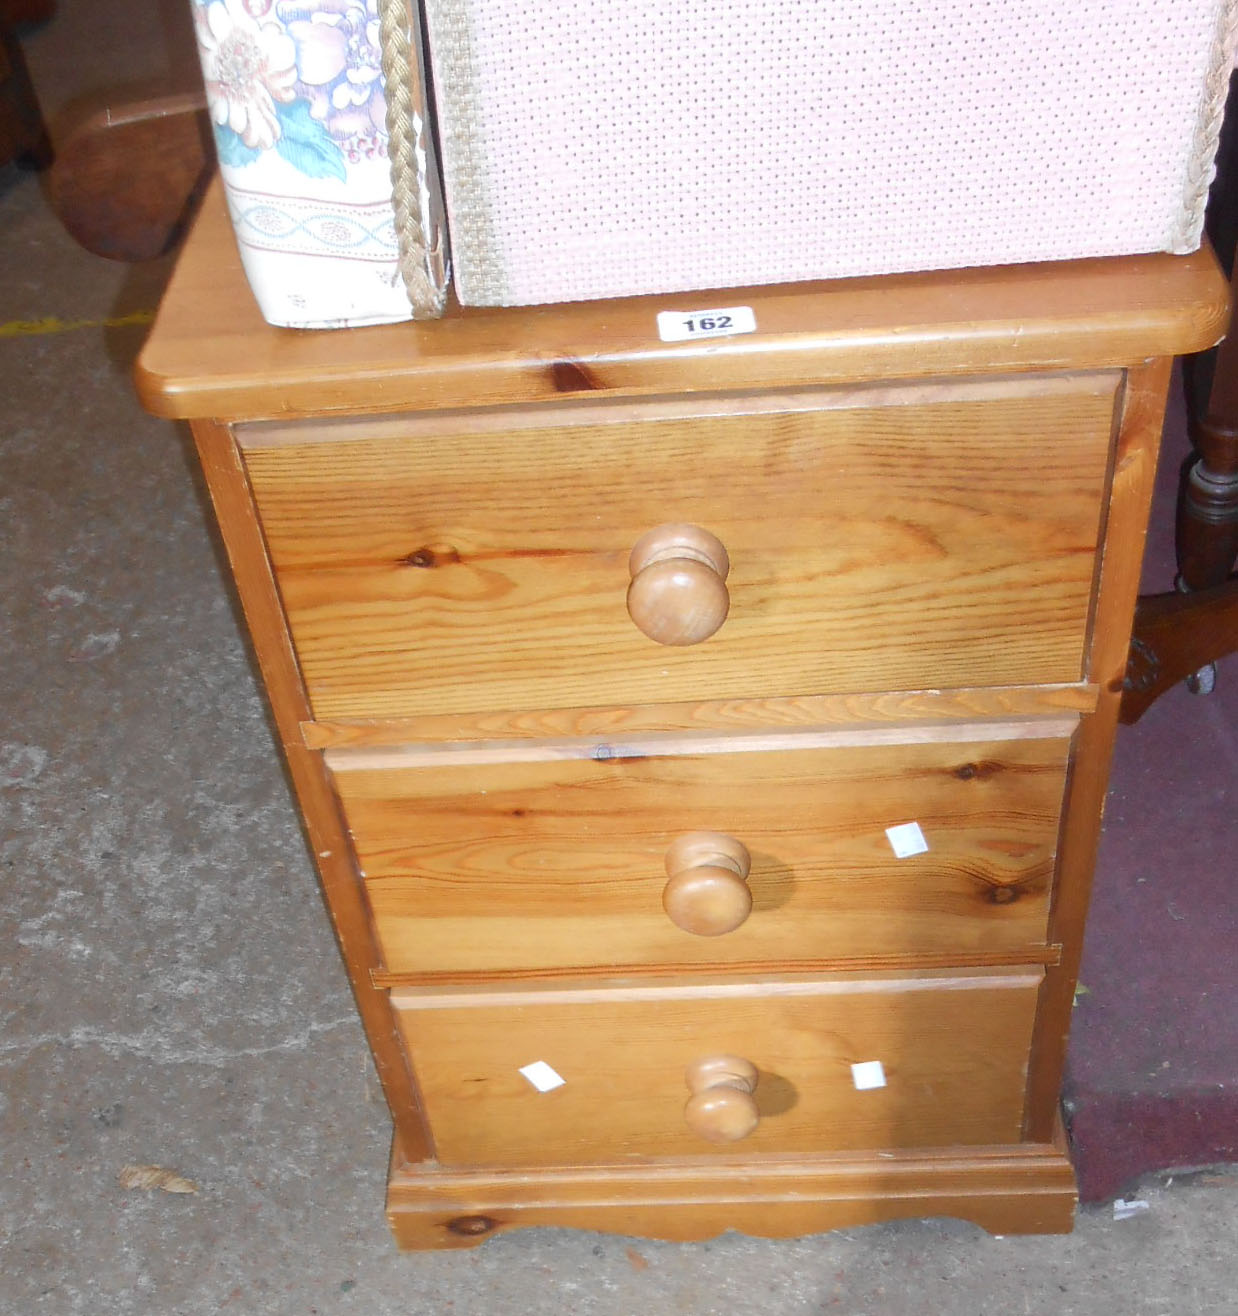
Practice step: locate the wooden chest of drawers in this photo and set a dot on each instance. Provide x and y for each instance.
(703, 745)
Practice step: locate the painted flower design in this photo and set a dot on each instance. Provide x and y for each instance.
(250, 68)
(339, 69)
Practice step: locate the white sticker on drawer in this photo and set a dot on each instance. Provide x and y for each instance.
(542, 1076)
(680, 326)
(907, 839)
(868, 1074)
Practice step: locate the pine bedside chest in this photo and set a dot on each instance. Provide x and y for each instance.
(703, 744)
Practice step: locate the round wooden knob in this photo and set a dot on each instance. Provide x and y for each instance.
(678, 592)
(722, 1107)
(708, 892)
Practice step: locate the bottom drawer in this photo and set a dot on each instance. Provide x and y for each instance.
(951, 1049)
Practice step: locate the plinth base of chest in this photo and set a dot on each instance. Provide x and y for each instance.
(1028, 1188)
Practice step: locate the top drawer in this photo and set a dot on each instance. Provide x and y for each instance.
(896, 538)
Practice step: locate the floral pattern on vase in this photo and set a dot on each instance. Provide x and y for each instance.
(297, 102)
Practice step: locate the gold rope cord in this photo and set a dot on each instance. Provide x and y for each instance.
(425, 295)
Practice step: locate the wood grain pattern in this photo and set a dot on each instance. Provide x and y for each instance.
(320, 810)
(903, 709)
(211, 354)
(1027, 1189)
(561, 864)
(610, 977)
(721, 404)
(953, 1054)
(871, 549)
(1143, 414)
(658, 990)
(400, 756)
(928, 584)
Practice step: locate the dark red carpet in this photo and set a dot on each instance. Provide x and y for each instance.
(1153, 1074)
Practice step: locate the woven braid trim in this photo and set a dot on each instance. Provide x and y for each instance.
(420, 267)
(1201, 167)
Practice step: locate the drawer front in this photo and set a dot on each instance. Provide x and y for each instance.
(891, 540)
(952, 1052)
(565, 864)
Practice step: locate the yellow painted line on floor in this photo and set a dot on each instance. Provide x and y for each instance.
(51, 325)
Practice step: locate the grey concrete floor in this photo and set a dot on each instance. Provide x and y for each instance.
(170, 990)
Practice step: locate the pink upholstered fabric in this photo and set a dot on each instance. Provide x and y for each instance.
(628, 146)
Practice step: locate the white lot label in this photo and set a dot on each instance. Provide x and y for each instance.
(907, 839)
(868, 1074)
(679, 326)
(542, 1076)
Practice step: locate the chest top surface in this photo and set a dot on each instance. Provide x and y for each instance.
(211, 354)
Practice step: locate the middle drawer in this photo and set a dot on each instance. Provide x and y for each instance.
(619, 860)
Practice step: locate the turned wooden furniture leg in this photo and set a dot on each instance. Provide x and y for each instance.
(1178, 634)
(1208, 510)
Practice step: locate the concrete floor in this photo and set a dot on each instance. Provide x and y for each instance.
(170, 990)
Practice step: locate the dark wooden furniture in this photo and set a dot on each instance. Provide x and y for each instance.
(23, 136)
(1180, 634)
(125, 177)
